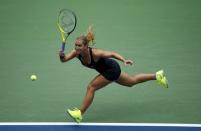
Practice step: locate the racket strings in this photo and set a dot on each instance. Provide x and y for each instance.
(67, 21)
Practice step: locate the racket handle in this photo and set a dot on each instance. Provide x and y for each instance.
(63, 46)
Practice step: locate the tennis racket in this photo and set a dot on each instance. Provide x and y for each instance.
(66, 23)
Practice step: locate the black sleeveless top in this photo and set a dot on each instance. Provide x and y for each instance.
(92, 64)
(109, 68)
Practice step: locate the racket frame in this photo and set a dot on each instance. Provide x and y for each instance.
(64, 34)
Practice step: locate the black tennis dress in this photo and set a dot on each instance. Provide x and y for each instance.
(109, 68)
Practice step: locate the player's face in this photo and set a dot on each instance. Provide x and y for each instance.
(79, 46)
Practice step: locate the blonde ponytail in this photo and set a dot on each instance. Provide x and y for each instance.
(90, 35)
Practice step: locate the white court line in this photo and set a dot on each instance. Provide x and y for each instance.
(100, 124)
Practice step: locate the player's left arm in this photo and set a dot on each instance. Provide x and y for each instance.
(111, 54)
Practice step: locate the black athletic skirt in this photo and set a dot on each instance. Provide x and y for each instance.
(109, 68)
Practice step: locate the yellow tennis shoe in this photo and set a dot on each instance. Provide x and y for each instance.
(76, 114)
(162, 80)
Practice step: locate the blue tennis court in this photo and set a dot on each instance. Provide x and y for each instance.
(98, 127)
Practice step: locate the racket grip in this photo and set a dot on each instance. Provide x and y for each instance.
(63, 46)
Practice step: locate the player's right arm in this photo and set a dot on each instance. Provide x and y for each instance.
(66, 57)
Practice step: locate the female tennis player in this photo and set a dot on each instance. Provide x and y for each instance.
(108, 69)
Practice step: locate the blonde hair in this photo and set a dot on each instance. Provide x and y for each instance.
(89, 37)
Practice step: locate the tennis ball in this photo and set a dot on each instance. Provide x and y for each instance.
(33, 77)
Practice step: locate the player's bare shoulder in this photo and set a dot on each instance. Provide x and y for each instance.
(103, 53)
(96, 53)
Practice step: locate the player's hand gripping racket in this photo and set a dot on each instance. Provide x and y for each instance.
(66, 23)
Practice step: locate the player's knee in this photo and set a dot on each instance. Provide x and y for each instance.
(91, 88)
(132, 83)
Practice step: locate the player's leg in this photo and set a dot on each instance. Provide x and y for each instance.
(127, 80)
(97, 83)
